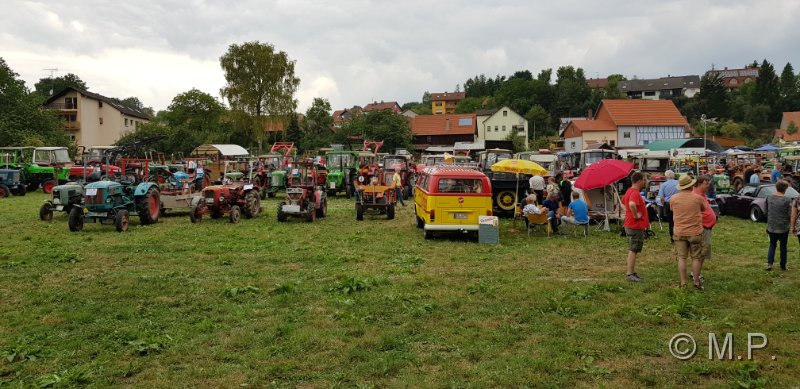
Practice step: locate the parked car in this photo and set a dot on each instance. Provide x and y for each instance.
(750, 201)
(451, 199)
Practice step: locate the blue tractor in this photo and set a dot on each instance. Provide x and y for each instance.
(111, 202)
(10, 183)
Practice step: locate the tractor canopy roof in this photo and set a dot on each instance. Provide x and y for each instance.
(221, 150)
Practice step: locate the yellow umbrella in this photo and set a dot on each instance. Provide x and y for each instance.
(519, 166)
(448, 158)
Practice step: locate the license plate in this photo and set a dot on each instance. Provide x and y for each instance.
(333, 185)
(97, 214)
(59, 207)
(91, 191)
(459, 215)
(291, 208)
(248, 187)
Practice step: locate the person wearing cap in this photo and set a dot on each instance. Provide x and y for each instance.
(668, 189)
(636, 223)
(687, 213)
(701, 188)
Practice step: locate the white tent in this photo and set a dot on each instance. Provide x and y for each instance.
(220, 150)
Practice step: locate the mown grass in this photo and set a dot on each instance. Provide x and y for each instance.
(372, 304)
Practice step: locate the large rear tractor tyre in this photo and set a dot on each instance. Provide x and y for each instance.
(322, 211)
(195, 214)
(281, 216)
(236, 214)
(359, 212)
(311, 215)
(506, 200)
(20, 191)
(121, 220)
(390, 212)
(4, 191)
(149, 206)
(755, 214)
(252, 205)
(46, 212)
(75, 221)
(48, 186)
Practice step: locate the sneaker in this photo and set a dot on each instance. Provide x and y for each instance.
(702, 279)
(633, 277)
(768, 267)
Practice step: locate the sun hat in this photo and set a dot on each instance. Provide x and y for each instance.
(686, 182)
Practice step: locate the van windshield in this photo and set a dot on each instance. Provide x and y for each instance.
(460, 185)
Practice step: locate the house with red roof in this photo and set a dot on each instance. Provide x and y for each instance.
(383, 106)
(442, 130)
(627, 124)
(342, 115)
(446, 102)
(735, 78)
(782, 134)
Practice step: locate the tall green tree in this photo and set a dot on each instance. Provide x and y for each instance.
(391, 128)
(571, 92)
(789, 90)
(767, 90)
(712, 98)
(540, 120)
(317, 125)
(469, 105)
(50, 86)
(23, 122)
(260, 82)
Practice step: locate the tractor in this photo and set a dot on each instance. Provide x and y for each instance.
(278, 162)
(10, 183)
(40, 167)
(342, 167)
(65, 197)
(113, 202)
(374, 193)
(306, 196)
(233, 197)
(407, 169)
(506, 187)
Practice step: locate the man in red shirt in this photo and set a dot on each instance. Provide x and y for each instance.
(636, 223)
(709, 218)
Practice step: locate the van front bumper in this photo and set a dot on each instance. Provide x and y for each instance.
(451, 227)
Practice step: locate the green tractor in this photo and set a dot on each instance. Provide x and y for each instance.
(41, 167)
(277, 162)
(65, 197)
(342, 169)
(111, 202)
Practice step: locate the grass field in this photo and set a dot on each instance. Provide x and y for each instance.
(372, 304)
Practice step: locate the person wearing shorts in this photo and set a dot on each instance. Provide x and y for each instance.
(701, 188)
(687, 211)
(636, 223)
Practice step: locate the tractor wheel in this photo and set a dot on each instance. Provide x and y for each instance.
(149, 206)
(32, 187)
(322, 211)
(75, 221)
(121, 220)
(311, 215)
(4, 191)
(506, 200)
(48, 186)
(45, 212)
(20, 191)
(359, 212)
(195, 214)
(281, 216)
(252, 204)
(236, 214)
(390, 212)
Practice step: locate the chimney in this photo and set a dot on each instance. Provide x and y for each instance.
(447, 124)
(589, 114)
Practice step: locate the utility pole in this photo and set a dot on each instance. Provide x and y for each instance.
(52, 79)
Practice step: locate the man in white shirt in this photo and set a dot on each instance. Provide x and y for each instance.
(537, 186)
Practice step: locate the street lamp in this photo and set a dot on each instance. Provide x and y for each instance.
(706, 120)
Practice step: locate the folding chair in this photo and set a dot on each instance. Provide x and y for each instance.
(585, 229)
(535, 221)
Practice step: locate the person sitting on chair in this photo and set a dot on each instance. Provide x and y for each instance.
(531, 208)
(552, 204)
(577, 212)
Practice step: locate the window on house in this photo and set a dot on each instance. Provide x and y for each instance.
(496, 129)
(71, 103)
(626, 135)
(504, 127)
(464, 122)
(505, 113)
(126, 122)
(651, 93)
(101, 120)
(612, 143)
(99, 104)
(72, 138)
(429, 139)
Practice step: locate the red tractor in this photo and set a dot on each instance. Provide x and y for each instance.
(407, 170)
(232, 198)
(305, 192)
(374, 193)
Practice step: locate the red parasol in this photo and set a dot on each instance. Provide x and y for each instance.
(602, 173)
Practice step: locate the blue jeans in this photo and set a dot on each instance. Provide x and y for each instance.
(554, 221)
(399, 193)
(774, 239)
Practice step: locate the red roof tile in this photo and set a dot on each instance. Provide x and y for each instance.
(641, 113)
(578, 126)
(448, 96)
(389, 106)
(780, 134)
(789, 117)
(443, 124)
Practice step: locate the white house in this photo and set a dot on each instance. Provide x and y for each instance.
(495, 125)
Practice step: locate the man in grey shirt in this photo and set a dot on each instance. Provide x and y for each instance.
(779, 210)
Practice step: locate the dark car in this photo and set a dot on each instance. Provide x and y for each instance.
(750, 201)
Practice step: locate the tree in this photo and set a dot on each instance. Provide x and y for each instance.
(469, 105)
(135, 104)
(767, 90)
(259, 82)
(571, 92)
(23, 122)
(51, 86)
(791, 129)
(293, 131)
(517, 142)
(789, 93)
(317, 125)
(712, 96)
(391, 128)
(539, 119)
(522, 75)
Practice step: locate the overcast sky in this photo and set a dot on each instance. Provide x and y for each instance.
(356, 51)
